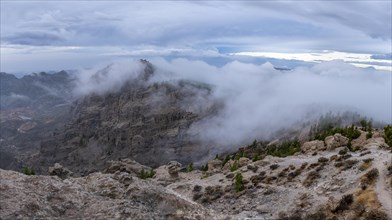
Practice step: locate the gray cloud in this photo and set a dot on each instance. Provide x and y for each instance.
(387, 56)
(34, 38)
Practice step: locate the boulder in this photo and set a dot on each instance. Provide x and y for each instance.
(125, 165)
(335, 141)
(243, 161)
(214, 166)
(60, 171)
(313, 146)
(173, 167)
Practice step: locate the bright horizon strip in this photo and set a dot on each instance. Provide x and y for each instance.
(356, 59)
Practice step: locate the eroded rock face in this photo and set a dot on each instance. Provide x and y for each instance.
(335, 141)
(148, 122)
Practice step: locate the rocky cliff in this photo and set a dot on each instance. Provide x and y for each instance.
(148, 122)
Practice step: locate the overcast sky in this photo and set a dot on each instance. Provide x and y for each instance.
(49, 35)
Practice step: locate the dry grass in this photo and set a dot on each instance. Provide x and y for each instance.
(370, 177)
(367, 198)
(365, 165)
(311, 178)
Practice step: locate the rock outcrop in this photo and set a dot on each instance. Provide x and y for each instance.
(335, 141)
(60, 171)
(313, 146)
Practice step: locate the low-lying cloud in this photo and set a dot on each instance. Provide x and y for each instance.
(259, 100)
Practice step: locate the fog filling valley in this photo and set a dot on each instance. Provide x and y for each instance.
(258, 100)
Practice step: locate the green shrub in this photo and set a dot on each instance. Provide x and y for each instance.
(388, 135)
(284, 149)
(239, 185)
(28, 171)
(227, 158)
(351, 132)
(204, 168)
(234, 166)
(256, 158)
(369, 134)
(190, 167)
(146, 174)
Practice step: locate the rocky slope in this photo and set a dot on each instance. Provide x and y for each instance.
(142, 120)
(324, 181)
(31, 109)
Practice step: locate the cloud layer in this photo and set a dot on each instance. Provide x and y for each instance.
(99, 30)
(259, 100)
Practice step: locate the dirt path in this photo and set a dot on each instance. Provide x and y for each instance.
(384, 195)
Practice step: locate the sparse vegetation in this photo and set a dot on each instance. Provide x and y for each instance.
(190, 167)
(227, 158)
(146, 174)
(234, 166)
(311, 178)
(284, 149)
(204, 168)
(322, 160)
(344, 203)
(274, 166)
(28, 171)
(351, 132)
(366, 164)
(370, 177)
(388, 135)
(239, 185)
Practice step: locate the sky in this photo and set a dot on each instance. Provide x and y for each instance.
(55, 35)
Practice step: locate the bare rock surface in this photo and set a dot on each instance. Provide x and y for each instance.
(335, 141)
(301, 186)
(313, 146)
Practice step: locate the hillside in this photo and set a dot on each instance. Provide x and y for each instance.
(315, 184)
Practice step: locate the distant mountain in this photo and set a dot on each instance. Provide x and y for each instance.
(38, 90)
(31, 109)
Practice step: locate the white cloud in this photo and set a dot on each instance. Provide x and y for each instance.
(259, 100)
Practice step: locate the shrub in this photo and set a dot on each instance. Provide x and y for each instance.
(28, 171)
(284, 149)
(234, 166)
(369, 135)
(145, 174)
(274, 166)
(312, 176)
(253, 145)
(349, 132)
(294, 174)
(227, 158)
(366, 164)
(239, 185)
(344, 203)
(370, 177)
(348, 164)
(376, 215)
(343, 151)
(204, 168)
(190, 167)
(256, 158)
(322, 160)
(388, 135)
